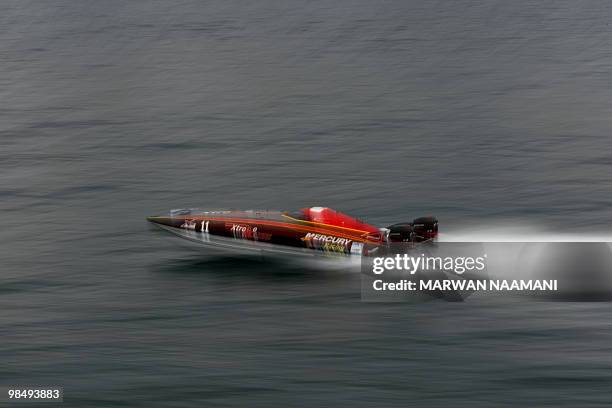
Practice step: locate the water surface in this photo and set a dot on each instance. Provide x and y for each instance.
(481, 113)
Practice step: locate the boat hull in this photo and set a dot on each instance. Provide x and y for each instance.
(266, 232)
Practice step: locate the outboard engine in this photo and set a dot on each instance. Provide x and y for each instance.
(402, 232)
(421, 229)
(425, 228)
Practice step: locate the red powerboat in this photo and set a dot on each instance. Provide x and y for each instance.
(309, 231)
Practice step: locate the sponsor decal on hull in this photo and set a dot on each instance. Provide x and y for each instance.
(189, 224)
(247, 232)
(327, 242)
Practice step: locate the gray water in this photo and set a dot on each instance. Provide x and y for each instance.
(480, 112)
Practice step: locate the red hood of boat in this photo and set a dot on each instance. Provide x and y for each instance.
(327, 216)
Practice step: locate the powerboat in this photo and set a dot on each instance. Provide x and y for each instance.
(312, 231)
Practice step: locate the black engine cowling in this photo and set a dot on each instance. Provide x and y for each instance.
(421, 229)
(425, 227)
(402, 232)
